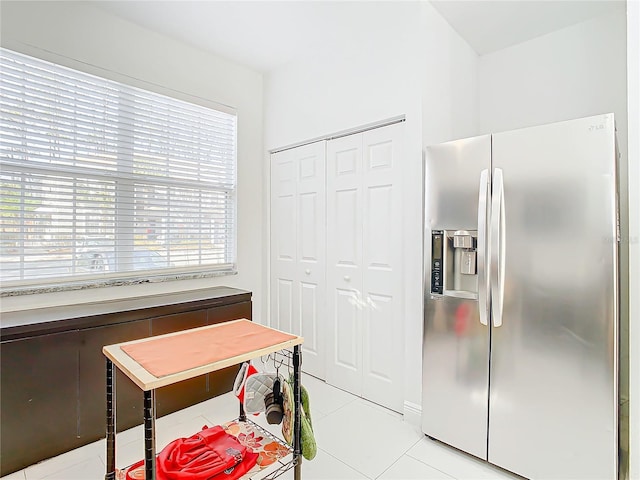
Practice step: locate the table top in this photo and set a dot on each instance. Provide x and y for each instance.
(166, 359)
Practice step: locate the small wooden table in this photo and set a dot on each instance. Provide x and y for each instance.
(166, 359)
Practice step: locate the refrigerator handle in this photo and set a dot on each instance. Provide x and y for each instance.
(483, 271)
(497, 247)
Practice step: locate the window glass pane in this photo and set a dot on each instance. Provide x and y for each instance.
(100, 179)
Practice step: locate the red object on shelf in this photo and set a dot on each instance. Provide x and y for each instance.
(210, 454)
(246, 370)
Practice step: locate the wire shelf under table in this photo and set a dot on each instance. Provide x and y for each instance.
(275, 457)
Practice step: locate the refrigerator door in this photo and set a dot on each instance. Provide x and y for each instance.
(456, 344)
(553, 401)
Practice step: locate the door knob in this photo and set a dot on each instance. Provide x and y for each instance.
(347, 278)
(307, 271)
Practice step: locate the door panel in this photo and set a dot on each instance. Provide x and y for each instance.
(382, 311)
(284, 305)
(309, 219)
(379, 219)
(309, 324)
(283, 241)
(344, 268)
(347, 219)
(554, 359)
(285, 223)
(455, 367)
(298, 236)
(379, 356)
(311, 264)
(347, 322)
(364, 218)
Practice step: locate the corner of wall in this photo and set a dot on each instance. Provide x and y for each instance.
(633, 115)
(413, 414)
(450, 101)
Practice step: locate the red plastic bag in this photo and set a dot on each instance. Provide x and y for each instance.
(210, 454)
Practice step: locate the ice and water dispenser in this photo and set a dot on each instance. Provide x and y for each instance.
(454, 269)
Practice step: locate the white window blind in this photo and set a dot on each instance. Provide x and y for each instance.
(101, 179)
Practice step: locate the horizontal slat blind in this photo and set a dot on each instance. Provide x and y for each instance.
(100, 179)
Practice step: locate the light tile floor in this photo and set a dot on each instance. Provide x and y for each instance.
(356, 439)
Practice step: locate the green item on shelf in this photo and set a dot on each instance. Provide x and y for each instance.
(308, 441)
(305, 404)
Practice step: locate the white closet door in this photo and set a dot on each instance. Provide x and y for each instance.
(382, 334)
(283, 241)
(311, 247)
(298, 244)
(344, 263)
(364, 265)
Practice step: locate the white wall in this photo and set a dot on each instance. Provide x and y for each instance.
(449, 82)
(633, 94)
(371, 78)
(396, 69)
(84, 37)
(574, 72)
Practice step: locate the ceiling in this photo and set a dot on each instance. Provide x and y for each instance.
(266, 34)
(489, 26)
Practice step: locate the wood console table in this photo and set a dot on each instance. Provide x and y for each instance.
(167, 359)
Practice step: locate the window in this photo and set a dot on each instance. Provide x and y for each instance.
(103, 180)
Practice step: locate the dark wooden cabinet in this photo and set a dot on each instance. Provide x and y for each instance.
(39, 409)
(92, 403)
(52, 371)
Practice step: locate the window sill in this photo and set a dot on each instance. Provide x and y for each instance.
(112, 282)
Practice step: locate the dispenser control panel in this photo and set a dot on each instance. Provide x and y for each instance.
(437, 258)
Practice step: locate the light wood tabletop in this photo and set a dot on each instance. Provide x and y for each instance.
(198, 350)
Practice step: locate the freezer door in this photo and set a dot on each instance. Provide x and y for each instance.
(455, 352)
(553, 399)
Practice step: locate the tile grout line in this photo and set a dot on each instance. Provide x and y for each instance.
(346, 464)
(335, 410)
(73, 463)
(469, 460)
(431, 466)
(406, 453)
(389, 467)
(383, 411)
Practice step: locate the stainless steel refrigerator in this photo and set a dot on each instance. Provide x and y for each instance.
(520, 355)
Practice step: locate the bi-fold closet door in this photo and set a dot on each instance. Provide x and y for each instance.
(298, 233)
(336, 259)
(364, 265)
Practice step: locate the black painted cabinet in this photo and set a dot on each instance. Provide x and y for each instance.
(91, 391)
(52, 373)
(39, 410)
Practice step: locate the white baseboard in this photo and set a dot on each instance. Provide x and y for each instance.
(413, 413)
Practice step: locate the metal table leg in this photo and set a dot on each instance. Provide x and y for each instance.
(297, 437)
(243, 415)
(111, 422)
(150, 435)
